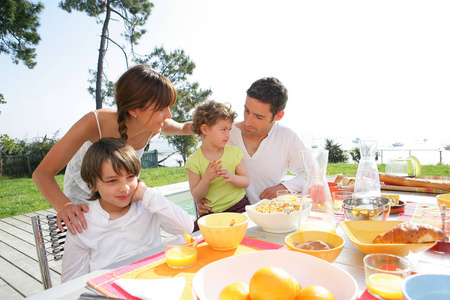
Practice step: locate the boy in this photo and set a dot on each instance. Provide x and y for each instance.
(120, 225)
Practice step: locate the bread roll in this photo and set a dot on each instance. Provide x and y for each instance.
(341, 180)
(407, 233)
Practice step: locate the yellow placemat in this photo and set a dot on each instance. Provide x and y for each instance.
(155, 267)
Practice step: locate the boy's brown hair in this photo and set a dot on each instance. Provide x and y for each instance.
(122, 156)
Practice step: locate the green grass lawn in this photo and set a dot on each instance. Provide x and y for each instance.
(20, 196)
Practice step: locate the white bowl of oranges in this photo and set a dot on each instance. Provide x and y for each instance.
(276, 274)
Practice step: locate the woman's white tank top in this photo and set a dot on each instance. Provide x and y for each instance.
(74, 187)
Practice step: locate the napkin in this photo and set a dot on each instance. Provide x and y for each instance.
(154, 289)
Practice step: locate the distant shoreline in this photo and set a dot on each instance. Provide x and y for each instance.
(428, 153)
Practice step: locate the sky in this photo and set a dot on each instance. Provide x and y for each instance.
(367, 69)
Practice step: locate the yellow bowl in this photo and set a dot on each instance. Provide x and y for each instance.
(443, 199)
(327, 237)
(218, 233)
(362, 233)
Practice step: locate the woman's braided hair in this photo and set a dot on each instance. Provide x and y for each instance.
(139, 88)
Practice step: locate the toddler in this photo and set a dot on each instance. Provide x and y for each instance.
(216, 171)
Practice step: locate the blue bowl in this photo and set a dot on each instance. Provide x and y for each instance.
(426, 287)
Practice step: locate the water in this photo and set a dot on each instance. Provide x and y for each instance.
(428, 151)
(185, 201)
(164, 150)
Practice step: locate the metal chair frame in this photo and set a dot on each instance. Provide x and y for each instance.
(49, 244)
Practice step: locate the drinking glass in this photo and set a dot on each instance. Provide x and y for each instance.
(384, 275)
(181, 251)
(287, 195)
(338, 200)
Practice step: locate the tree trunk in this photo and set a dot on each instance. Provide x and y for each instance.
(101, 56)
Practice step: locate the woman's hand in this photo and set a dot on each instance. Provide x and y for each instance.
(72, 215)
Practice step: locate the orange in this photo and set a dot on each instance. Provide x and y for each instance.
(298, 287)
(273, 283)
(188, 238)
(315, 292)
(235, 291)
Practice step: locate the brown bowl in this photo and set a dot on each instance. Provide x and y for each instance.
(396, 209)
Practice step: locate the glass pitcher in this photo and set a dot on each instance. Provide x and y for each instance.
(316, 190)
(367, 182)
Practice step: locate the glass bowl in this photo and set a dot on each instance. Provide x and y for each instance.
(432, 216)
(366, 209)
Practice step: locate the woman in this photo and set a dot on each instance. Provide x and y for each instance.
(143, 98)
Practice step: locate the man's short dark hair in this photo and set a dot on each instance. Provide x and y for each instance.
(269, 90)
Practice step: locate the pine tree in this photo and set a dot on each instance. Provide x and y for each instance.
(134, 15)
(19, 20)
(177, 67)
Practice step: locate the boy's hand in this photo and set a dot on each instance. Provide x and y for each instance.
(140, 191)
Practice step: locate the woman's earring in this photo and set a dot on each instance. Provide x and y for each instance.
(135, 116)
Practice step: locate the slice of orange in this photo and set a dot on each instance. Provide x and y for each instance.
(188, 238)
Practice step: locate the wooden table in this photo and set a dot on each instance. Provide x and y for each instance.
(350, 259)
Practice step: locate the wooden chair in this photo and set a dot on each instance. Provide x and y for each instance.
(49, 244)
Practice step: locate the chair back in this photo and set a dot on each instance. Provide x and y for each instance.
(49, 244)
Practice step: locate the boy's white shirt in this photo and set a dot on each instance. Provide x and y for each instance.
(105, 242)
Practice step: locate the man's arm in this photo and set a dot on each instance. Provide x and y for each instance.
(271, 192)
(202, 209)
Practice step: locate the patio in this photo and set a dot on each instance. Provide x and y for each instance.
(19, 269)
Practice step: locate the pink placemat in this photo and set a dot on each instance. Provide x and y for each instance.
(408, 214)
(339, 218)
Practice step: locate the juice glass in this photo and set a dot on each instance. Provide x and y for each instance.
(338, 200)
(287, 195)
(385, 274)
(181, 251)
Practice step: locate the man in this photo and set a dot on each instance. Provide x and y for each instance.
(270, 149)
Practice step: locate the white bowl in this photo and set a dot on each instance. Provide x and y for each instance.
(209, 281)
(277, 222)
(426, 287)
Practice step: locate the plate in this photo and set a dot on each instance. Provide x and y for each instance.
(362, 233)
(349, 188)
(209, 281)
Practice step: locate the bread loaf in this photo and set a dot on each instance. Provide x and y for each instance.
(413, 182)
(406, 233)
